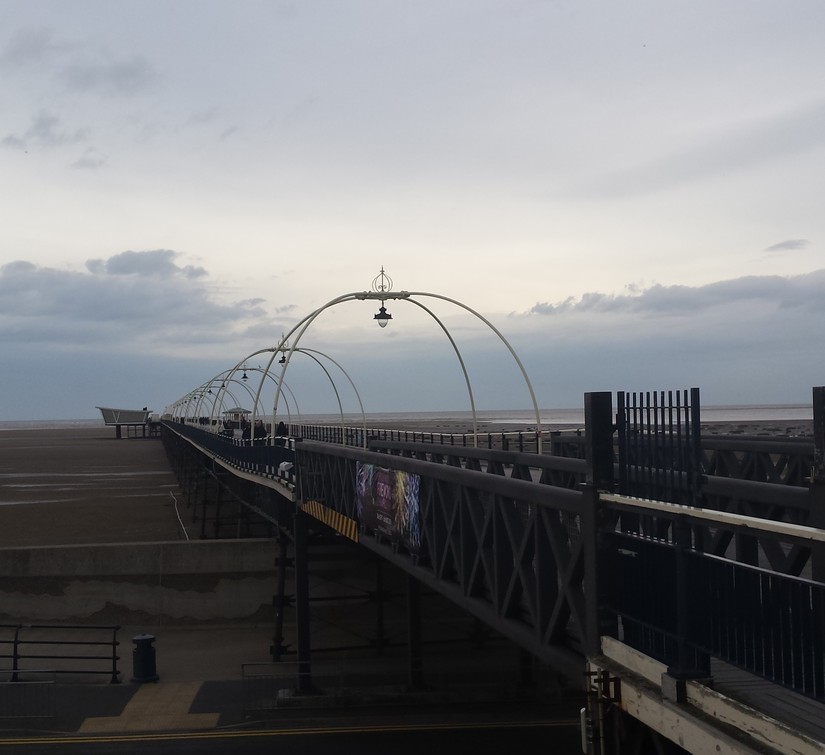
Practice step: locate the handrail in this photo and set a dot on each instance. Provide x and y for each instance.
(503, 439)
(16, 656)
(722, 518)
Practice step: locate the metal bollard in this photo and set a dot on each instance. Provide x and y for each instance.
(143, 659)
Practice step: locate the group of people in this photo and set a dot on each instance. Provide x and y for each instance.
(245, 426)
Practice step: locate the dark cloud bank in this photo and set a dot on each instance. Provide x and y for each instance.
(140, 328)
(802, 291)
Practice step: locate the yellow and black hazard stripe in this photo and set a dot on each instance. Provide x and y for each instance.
(340, 523)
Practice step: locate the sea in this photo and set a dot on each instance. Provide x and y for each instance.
(520, 417)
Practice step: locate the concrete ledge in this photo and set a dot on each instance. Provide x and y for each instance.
(204, 580)
(176, 557)
(694, 723)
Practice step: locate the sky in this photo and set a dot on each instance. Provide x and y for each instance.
(627, 195)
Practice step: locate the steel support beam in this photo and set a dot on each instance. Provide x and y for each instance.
(302, 602)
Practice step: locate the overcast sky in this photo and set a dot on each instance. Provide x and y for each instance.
(631, 193)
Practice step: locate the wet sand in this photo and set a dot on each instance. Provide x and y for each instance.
(82, 485)
(762, 428)
(791, 428)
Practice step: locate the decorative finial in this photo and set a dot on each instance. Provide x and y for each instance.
(382, 283)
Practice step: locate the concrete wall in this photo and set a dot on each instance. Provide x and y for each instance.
(169, 582)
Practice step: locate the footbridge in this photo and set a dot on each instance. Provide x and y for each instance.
(677, 580)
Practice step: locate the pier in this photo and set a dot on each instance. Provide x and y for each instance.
(677, 582)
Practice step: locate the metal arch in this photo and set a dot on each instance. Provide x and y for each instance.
(505, 342)
(301, 327)
(309, 353)
(460, 361)
(265, 371)
(255, 398)
(223, 389)
(206, 389)
(331, 382)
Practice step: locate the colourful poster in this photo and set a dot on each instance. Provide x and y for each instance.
(387, 503)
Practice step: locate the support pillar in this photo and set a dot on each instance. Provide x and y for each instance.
(414, 644)
(281, 599)
(302, 603)
(379, 607)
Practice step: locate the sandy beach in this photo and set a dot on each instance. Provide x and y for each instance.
(81, 485)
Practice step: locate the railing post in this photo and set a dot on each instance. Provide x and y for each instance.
(690, 663)
(598, 422)
(115, 657)
(593, 597)
(816, 491)
(15, 653)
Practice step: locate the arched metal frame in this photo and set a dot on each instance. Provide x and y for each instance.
(381, 292)
(384, 295)
(228, 376)
(281, 349)
(181, 408)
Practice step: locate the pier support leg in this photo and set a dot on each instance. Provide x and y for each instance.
(379, 607)
(302, 603)
(281, 599)
(414, 645)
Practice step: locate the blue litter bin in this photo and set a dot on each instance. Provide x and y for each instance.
(143, 659)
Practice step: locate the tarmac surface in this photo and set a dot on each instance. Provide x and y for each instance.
(222, 678)
(80, 486)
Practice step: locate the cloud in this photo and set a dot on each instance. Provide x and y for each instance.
(130, 300)
(89, 162)
(141, 323)
(789, 245)
(110, 78)
(753, 143)
(156, 263)
(658, 300)
(45, 131)
(29, 45)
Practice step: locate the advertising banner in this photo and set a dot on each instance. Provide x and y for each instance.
(387, 503)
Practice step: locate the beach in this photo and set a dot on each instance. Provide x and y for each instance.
(81, 485)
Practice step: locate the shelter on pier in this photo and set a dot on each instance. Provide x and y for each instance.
(236, 421)
(137, 419)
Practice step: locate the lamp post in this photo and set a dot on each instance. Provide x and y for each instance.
(380, 284)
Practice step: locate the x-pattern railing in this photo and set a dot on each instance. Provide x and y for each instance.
(777, 461)
(546, 469)
(516, 553)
